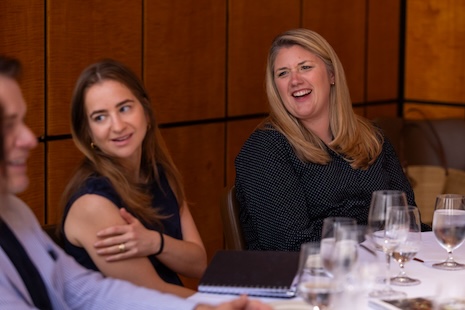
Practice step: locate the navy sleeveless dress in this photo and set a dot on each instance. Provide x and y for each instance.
(163, 199)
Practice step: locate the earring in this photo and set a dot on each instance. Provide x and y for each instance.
(332, 83)
(93, 146)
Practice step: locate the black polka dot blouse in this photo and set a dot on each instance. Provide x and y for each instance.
(283, 200)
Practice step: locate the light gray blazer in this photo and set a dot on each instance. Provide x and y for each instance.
(69, 285)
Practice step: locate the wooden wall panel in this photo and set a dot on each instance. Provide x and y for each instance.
(34, 195)
(185, 55)
(198, 151)
(79, 35)
(435, 57)
(62, 158)
(360, 110)
(383, 50)
(252, 27)
(388, 110)
(237, 133)
(22, 37)
(343, 25)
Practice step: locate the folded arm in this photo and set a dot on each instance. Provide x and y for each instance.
(91, 213)
(186, 257)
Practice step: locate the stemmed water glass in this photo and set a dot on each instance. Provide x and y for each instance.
(334, 257)
(388, 223)
(313, 285)
(407, 250)
(449, 227)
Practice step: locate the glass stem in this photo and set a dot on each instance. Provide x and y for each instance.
(450, 259)
(402, 273)
(388, 271)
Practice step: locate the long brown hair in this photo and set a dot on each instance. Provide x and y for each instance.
(154, 151)
(355, 138)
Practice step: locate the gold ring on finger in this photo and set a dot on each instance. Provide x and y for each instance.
(122, 247)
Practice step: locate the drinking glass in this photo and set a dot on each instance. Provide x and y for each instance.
(363, 275)
(449, 227)
(407, 250)
(314, 286)
(330, 225)
(333, 226)
(388, 224)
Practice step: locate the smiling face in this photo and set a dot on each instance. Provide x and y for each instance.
(18, 137)
(304, 84)
(117, 122)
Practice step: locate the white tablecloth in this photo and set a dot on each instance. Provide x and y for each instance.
(434, 282)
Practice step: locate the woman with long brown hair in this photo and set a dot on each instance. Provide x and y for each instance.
(125, 210)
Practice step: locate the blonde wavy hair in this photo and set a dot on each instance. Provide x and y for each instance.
(135, 195)
(354, 137)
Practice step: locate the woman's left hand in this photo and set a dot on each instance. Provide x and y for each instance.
(126, 241)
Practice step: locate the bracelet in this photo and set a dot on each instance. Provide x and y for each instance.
(162, 244)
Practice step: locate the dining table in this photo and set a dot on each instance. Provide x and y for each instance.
(436, 284)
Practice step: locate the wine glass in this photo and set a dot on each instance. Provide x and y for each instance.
(449, 227)
(314, 286)
(331, 227)
(407, 250)
(387, 229)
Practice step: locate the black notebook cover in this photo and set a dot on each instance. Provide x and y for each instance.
(255, 273)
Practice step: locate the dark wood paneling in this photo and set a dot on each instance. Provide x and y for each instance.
(383, 50)
(80, 34)
(343, 25)
(22, 37)
(34, 195)
(184, 63)
(435, 61)
(360, 110)
(252, 27)
(386, 110)
(63, 157)
(198, 151)
(237, 133)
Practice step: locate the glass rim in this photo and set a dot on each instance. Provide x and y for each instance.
(450, 196)
(339, 218)
(389, 191)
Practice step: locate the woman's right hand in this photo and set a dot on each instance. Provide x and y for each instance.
(137, 240)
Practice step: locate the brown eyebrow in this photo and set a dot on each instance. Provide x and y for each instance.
(117, 105)
(299, 64)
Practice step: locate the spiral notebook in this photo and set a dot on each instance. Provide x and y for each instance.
(255, 273)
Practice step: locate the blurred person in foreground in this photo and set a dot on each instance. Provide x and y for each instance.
(65, 284)
(313, 157)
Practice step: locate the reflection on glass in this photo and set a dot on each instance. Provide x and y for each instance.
(388, 223)
(407, 250)
(449, 227)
